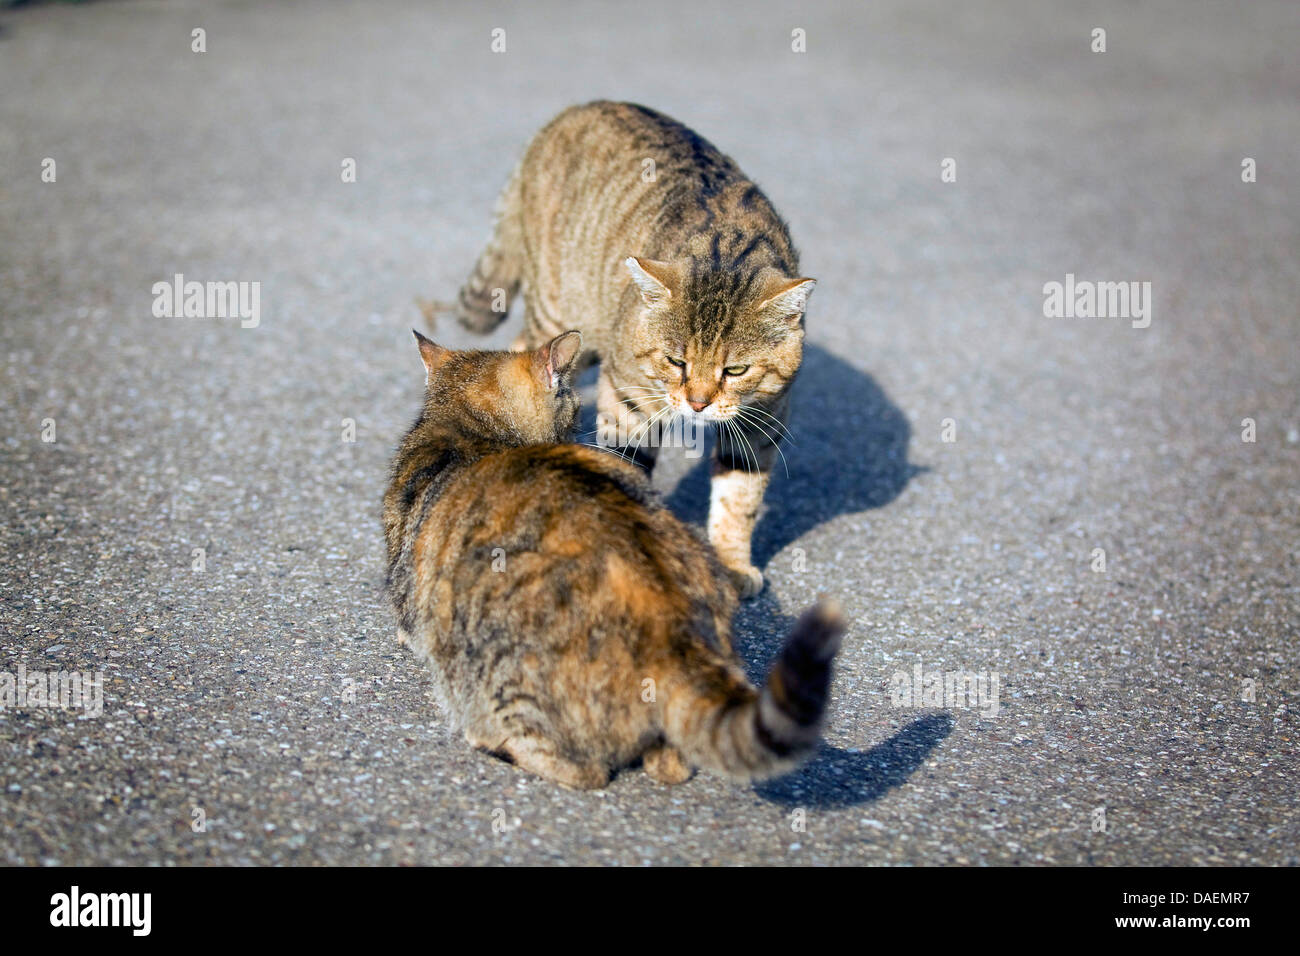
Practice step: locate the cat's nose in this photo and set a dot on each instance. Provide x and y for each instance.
(699, 404)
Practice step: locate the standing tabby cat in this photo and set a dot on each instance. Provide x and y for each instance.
(571, 623)
(626, 225)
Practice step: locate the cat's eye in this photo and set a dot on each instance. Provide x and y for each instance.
(676, 363)
(735, 370)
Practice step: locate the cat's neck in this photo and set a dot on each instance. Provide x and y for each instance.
(460, 431)
(469, 444)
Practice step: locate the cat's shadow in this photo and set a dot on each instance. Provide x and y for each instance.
(848, 454)
(835, 777)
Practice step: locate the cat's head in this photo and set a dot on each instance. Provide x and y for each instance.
(516, 397)
(717, 340)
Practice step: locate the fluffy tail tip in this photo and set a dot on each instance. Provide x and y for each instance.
(821, 627)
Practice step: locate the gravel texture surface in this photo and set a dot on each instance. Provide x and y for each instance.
(257, 708)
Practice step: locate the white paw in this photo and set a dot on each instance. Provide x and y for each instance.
(748, 581)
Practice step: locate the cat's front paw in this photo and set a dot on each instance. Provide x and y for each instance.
(747, 579)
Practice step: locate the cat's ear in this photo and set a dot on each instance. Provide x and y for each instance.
(432, 354)
(557, 358)
(789, 299)
(654, 279)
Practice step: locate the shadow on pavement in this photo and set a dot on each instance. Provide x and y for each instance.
(833, 778)
(837, 778)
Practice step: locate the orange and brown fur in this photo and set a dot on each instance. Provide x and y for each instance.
(571, 623)
(628, 226)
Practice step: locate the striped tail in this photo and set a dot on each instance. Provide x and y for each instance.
(484, 299)
(721, 723)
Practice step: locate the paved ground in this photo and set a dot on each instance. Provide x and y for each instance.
(266, 690)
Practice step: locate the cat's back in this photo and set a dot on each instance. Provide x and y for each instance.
(613, 128)
(576, 517)
(570, 494)
(606, 180)
(603, 148)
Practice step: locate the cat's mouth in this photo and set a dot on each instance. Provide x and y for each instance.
(709, 415)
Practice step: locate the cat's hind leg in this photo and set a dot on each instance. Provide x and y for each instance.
(484, 299)
(534, 752)
(538, 755)
(666, 764)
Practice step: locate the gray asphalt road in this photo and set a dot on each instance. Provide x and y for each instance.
(256, 707)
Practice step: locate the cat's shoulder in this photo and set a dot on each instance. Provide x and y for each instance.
(578, 467)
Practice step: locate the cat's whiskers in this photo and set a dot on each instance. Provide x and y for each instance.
(649, 394)
(636, 405)
(645, 428)
(755, 423)
(738, 440)
(753, 455)
(641, 392)
(771, 418)
(769, 430)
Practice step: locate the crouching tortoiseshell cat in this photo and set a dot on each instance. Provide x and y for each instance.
(572, 624)
(626, 225)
